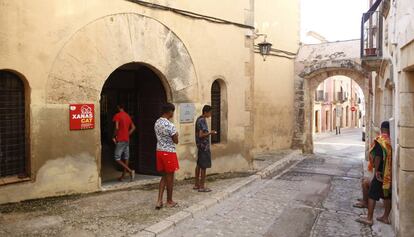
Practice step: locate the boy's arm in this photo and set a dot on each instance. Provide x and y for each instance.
(115, 131)
(132, 128)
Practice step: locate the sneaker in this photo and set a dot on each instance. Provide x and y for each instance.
(132, 175)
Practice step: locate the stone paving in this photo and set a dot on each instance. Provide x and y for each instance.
(114, 213)
(313, 199)
(117, 213)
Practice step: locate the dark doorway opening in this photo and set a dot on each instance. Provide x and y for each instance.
(140, 90)
(12, 126)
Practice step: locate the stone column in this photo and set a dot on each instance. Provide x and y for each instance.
(298, 130)
(405, 149)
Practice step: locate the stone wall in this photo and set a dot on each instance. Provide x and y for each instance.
(314, 64)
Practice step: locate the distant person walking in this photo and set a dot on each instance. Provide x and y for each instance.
(202, 137)
(338, 125)
(124, 127)
(380, 187)
(167, 161)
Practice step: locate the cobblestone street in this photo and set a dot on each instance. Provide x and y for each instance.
(314, 198)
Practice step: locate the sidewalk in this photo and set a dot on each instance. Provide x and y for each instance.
(126, 212)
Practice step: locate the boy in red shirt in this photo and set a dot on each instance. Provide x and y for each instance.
(123, 128)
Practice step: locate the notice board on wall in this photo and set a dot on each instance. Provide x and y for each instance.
(81, 116)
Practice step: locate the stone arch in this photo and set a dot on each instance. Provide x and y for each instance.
(308, 77)
(96, 50)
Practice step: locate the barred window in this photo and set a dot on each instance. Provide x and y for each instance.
(12, 125)
(216, 114)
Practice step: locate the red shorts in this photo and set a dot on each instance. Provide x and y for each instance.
(167, 162)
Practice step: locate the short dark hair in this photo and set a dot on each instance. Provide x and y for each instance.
(385, 125)
(206, 109)
(121, 106)
(166, 108)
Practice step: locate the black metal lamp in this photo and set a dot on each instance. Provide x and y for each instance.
(264, 49)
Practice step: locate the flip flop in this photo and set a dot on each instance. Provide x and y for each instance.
(132, 175)
(382, 221)
(172, 205)
(204, 190)
(158, 207)
(359, 205)
(364, 221)
(196, 188)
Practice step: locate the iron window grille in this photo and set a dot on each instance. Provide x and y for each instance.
(216, 113)
(12, 126)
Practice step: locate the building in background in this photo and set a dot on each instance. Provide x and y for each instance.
(338, 100)
(387, 51)
(58, 57)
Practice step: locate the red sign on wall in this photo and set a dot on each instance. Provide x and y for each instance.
(353, 109)
(82, 116)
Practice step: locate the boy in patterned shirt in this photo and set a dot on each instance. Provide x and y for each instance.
(167, 161)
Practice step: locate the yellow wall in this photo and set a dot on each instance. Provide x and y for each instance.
(273, 84)
(65, 50)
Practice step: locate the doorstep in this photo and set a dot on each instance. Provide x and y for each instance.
(140, 180)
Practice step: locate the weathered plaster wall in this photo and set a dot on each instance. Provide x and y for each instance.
(395, 79)
(274, 78)
(405, 146)
(67, 49)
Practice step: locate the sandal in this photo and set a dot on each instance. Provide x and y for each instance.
(204, 190)
(171, 205)
(364, 221)
(159, 206)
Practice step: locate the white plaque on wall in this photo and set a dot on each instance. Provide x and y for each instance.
(187, 112)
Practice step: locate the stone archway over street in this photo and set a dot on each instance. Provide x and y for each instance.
(314, 64)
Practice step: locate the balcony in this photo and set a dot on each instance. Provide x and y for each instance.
(340, 97)
(319, 96)
(372, 40)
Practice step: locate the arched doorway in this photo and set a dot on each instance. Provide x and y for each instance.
(13, 150)
(140, 90)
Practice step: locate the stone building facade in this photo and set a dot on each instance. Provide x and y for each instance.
(339, 101)
(99, 53)
(387, 50)
(314, 64)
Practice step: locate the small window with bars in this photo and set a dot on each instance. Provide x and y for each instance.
(216, 113)
(12, 126)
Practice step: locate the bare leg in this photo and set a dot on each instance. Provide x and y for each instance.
(124, 170)
(387, 209)
(363, 203)
(197, 178)
(161, 189)
(203, 178)
(368, 220)
(124, 165)
(170, 183)
(365, 189)
(371, 207)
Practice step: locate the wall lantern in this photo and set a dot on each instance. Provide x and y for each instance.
(264, 47)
